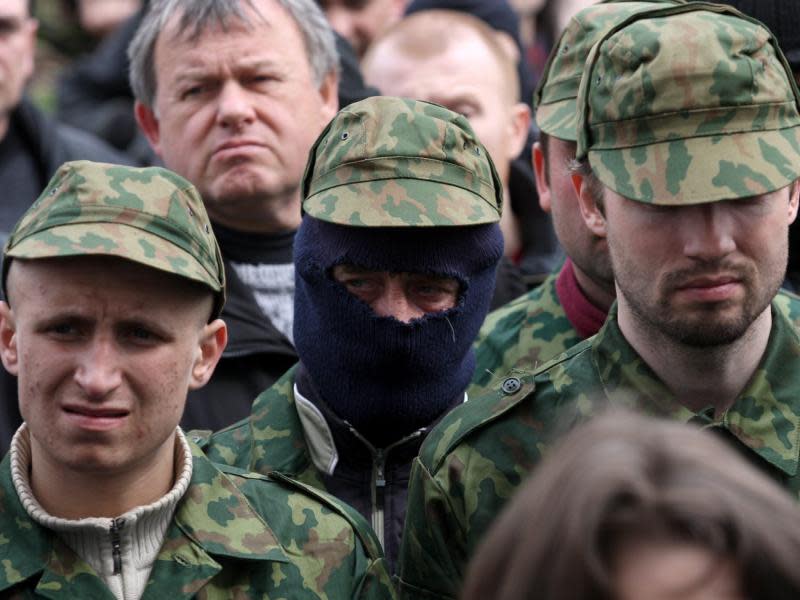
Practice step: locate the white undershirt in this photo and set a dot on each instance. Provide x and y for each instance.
(140, 536)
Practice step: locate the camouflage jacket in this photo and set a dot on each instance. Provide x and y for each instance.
(473, 461)
(234, 535)
(525, 333)
(290, 434)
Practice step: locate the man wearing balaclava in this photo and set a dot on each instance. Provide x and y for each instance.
(395, 263)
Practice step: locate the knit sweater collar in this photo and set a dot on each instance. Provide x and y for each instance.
(140, 531)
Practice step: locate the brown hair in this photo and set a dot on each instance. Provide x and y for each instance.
(629, 478)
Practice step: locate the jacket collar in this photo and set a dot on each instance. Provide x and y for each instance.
(213, 519)
(765, 417)
(330, 439)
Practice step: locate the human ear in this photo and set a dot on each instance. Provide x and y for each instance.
(148, 123)
(212, 342)
(8, 339)
(591, 207)
(542, 184)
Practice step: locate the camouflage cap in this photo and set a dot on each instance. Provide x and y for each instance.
(394, 162)
(689, 104)
(555, 102)
(150, 216)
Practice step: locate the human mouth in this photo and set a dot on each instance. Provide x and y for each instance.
(237, 148)
(710, 288)
(95, 418)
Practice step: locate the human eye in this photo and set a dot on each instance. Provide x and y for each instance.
(140, 334)
(435, 293)
(194, 90)
(63, 329)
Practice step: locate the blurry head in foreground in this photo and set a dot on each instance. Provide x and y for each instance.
(645, 509)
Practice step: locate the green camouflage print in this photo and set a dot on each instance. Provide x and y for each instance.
(235, 535)
(534, 328)
(475, 459)
(555, 99)
(392, 162)
(270, 439)
(148, 215)
(523, 334)
(689, 104)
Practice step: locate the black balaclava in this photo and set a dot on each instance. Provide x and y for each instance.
(385, 377)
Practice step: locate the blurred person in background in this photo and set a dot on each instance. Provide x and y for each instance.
(361, 21)
(231, 94)
(454, 59)
(633, 508)
(531, 242)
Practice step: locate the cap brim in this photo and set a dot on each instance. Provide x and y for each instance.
(559, 119)
(400, 202)
(702, 169)
(114, 239)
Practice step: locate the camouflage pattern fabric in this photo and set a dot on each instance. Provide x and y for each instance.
(394, 162)
(713, 118)
(270, 439)
(474, 460)
(148, 215)
(555, 100)
(524, 334)
(234, 535)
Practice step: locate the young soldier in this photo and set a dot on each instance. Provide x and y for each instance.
(572, 304)
(115, 283)
(690, 123)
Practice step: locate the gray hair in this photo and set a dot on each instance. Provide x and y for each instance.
(198, 15)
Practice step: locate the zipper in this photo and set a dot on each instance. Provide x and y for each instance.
(378, 493)
(116, 554)
(378, 484)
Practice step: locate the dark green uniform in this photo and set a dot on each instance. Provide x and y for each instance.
(234, 535)
(475, 459)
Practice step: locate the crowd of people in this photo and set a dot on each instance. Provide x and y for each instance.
(360, 299)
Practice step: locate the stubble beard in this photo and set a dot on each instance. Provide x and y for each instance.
(707, 325)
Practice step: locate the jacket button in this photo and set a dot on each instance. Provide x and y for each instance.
(511, 385)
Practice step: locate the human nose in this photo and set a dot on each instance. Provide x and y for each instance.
(393, 302)
(234, 107)
(99, 369)
(708, 232)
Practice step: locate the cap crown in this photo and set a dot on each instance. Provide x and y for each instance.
(689, 104)
(555, 99)
(147, 215)
(394, 162)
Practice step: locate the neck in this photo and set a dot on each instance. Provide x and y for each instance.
(273, 215)
(76, 494)
(600, 294)
(699, 376)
